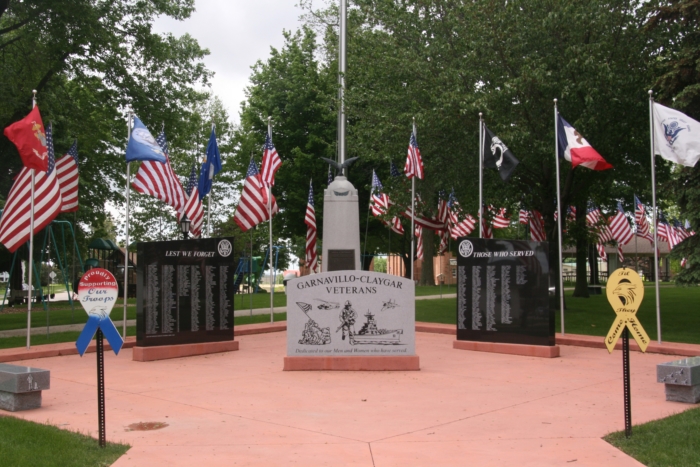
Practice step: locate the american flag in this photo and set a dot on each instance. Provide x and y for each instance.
(523, 216)
(621, 230)
(684, 261)
(414, 162)
(599, 225)
(252, 209)
(443, 217)
(159, 180)
(310, 221)
(667, 232)
(271, 162)
(458, 228)
(500, 221)
(640, 220)
(486, 231)
(419, 242)
(193, 206)
(689, 228)
(379, 205)
(537, 231)
(67, 172)
(15, 222)
(393, 170)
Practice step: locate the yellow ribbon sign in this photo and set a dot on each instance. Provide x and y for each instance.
(625, 292)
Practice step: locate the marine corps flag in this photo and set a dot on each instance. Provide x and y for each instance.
(29, 137)
(498, 156)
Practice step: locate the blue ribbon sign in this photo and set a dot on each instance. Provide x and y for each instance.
(97, 291)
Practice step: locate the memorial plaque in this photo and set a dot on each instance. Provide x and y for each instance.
(341, 260)
(350, 313)
(184, 292)
(503, 292)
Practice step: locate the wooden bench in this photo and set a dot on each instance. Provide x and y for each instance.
(681, 379)
(21, 386)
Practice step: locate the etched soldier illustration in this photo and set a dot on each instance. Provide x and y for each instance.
(348, 316)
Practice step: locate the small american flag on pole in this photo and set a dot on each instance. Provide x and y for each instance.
(252, 209)
(67, 172)
(640, 220)
(271, 162)
(310, 221)
(414, 161)
(621, 230)
(14, 225)
(158, 179)
(193, 207)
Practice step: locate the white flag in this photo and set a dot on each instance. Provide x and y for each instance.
(676, 136)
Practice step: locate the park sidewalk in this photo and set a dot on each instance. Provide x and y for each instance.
(461, 408)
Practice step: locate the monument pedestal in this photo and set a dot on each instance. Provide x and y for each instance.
(164, 352)
(545, 351)
(369, 363)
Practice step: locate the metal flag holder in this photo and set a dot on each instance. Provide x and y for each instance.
(625, 292)
(98, 291)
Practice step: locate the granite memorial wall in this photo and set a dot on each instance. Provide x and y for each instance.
(184, 291)
(503, 292)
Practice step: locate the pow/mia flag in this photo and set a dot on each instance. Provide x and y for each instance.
(498, 156)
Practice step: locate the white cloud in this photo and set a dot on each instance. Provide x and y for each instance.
(238, 33)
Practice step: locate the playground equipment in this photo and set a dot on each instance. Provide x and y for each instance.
(251, 274)
(20, 296)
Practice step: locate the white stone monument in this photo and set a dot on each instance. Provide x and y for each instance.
(350, 314)
(341, 227)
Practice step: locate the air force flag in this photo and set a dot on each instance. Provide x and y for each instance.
(142, 145)
(676, 136)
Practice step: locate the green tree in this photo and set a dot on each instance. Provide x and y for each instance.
(89, 60)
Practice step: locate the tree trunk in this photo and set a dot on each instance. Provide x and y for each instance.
(581, 289)
(427, 275)
(593, 260)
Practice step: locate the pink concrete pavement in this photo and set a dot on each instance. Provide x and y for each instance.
(461, 408)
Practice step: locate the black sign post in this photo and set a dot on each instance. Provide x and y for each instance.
(503, 292)
(626, 381)
(101, 388)
(184, 292)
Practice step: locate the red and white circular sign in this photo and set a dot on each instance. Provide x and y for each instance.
(98, 291)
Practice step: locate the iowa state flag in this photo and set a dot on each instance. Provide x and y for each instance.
(574, 148)
(29, 137)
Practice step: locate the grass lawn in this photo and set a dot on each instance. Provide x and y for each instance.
(30, 444)
(72, 336)
(667, 442)
(680, 314)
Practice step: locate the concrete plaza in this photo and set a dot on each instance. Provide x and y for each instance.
(462, 408)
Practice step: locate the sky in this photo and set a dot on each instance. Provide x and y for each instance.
(237, 33)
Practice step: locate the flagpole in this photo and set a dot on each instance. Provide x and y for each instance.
(653, 200)
(369, 208)
(31, 247)
(559, 216)
(413, 206)
(211, 189)
(481, 173)
(126, 245)
(269, 210)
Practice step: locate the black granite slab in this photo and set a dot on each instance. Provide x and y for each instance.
(184, 291)
(503, 292)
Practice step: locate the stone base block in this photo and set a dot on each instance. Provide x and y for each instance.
(678, 393)
(375, 363)
(544, 351)
(164, 352)
(14, 402)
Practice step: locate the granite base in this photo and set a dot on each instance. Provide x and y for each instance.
(678, 393)
(164, 352)
(544, 351)
(375, 363)
(14, 402)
